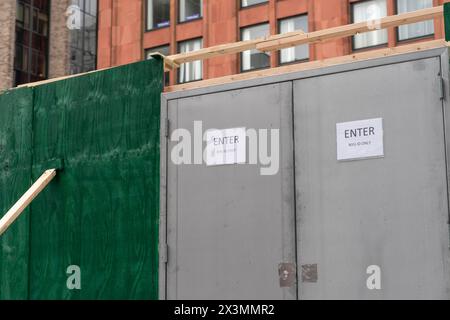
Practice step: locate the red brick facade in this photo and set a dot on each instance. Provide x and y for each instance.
(122, 37)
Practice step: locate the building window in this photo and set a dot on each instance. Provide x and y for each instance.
(83, 40)
(158, 14)
(189, 10)
(190, 71)
(164, 50)
(254, 59)
(415, 30)
(31, 45)
(366, 11)
(248, 3)
(299, 52)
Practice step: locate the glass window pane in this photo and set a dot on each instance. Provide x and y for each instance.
(165, 50)
(415, 30)
(192, 70)
(254, 59)
(35, 21)
(299, 52)
(158, 14)
(20, 18)
(43, 24)
(190, 9)
(31, 43)
(83, 41)
(26, 17)
(369, 11)
(246, 3)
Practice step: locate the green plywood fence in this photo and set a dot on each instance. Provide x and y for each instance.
(101, 212)
(15, 178)
(447, 20)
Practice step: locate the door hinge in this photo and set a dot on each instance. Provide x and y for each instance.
(442, 88)
(164, 253)
(167, 127)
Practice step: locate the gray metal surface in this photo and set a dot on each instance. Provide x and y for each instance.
(229, 227)
(390, 212)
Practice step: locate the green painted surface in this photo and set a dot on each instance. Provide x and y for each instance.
(15, 179)
(101, 212)
(447, 20)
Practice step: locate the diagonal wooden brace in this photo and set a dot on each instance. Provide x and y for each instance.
(26, 199)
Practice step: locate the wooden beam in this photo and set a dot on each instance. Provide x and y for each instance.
(214, 51)
(350, 29)
(26, 199)
(169, 64)
(361, 56)
(38, 83)
(294, 38)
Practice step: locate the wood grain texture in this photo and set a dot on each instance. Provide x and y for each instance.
(15, 177)
(26, 199)
(101, 212)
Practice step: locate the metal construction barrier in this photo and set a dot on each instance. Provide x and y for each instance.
(329, 183)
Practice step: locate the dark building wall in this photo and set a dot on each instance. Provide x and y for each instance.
(60, 57)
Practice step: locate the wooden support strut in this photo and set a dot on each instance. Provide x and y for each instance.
(360, 56)
(280, 41)
(26, 199)
(351, 29)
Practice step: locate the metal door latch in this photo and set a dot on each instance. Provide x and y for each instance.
(288, 274)
(309, 273)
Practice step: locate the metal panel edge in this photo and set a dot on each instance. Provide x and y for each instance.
(307, 73)
(445, 74)
(162, 274)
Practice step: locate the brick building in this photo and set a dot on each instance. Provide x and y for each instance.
(129, 29)
(37, 41)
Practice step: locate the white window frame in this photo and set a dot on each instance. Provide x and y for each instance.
(246, 55)
(372, 13)
(190, 71)
(291, 52)
(428, 25)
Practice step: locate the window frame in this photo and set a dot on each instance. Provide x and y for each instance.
(397, 29)
(187, 20)
(242, 52)
(352, 20)
(146, 19)
(28, 46)
(84, 13)
(201, 61)
(241, 7)
(279, 32)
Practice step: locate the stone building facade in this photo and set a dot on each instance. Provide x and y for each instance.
(7, 21)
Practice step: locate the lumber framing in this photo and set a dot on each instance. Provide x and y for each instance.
(26, 199)
(350, 29)
(361, 56)
(280, 41)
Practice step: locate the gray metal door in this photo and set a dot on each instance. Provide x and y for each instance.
(389, 212)
(229, 227)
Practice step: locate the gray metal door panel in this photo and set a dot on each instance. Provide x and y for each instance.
(229, 227)
(390, 212)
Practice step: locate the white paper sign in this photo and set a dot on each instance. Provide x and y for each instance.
(226, 146)
(360, 139)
